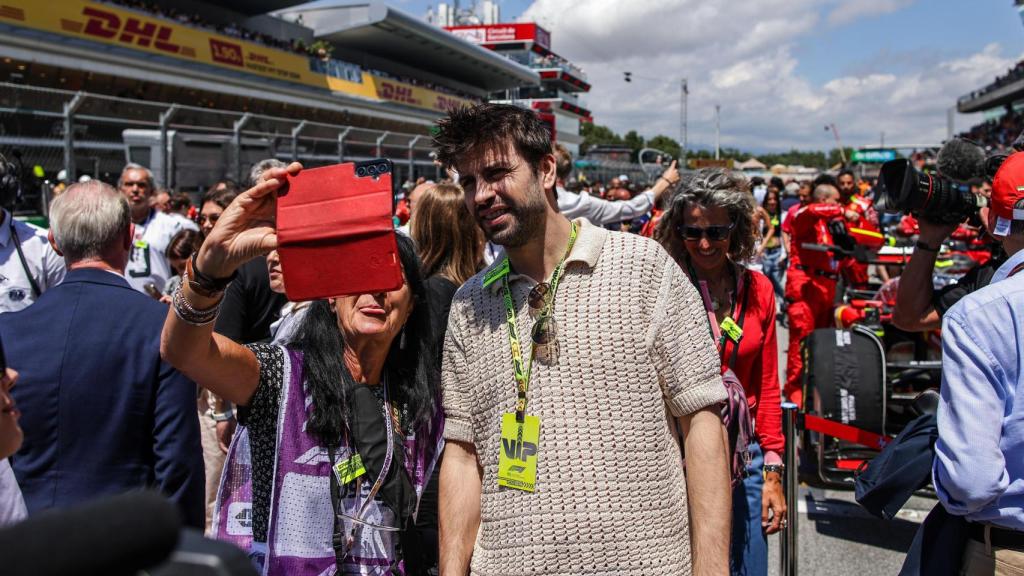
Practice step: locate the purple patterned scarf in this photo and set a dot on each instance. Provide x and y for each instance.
(301, 526)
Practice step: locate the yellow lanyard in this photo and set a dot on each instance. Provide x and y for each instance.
(522, 374)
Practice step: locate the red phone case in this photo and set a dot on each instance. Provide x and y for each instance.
(335, 234)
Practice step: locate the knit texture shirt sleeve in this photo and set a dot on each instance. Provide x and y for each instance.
(456, 386)
(684, 354)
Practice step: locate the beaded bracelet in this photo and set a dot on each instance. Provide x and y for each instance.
(189, 315)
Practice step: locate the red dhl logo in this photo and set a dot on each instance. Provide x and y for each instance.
(226, 53)
(445, 103)
(394, 93)
(103, 24)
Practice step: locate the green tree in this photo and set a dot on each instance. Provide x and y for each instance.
(596, 134)
(834, 157)
(666, 144)
(634, 141)
(810, 158)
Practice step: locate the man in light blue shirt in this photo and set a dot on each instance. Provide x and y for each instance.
(979, 464)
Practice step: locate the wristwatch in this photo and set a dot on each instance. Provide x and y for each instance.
(202, 284)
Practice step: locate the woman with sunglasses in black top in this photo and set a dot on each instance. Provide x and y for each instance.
(708, 228)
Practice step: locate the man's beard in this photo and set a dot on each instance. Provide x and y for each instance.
(527, 221)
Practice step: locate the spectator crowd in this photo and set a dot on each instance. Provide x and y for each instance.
(1012, 75)
(573, 377)
(998, 133)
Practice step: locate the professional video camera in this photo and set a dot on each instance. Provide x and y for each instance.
(944, 198)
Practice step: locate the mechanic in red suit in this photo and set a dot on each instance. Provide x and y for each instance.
(810, 279)
(860, 213)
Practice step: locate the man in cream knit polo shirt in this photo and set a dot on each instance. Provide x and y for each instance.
(565, 399)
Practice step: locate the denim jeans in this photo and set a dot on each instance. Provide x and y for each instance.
(748, 555)
(771, 265)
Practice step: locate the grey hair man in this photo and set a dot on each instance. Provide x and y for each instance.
(90, 227)
(99, 353)
(137, 184)
(262, 166)
(148, 267)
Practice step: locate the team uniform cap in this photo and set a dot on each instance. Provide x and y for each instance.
(1008, 188)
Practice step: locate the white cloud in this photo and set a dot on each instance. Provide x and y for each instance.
(851, 10)
(742, 57)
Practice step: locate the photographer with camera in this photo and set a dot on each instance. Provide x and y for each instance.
(28, 264)
(941, 205)
(918, 305)
(977, 471)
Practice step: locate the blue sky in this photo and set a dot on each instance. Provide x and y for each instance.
(781, 69)
(931, 29)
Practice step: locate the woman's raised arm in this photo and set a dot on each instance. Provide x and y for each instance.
(244, 231)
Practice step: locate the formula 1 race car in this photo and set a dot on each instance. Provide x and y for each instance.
(865, 379)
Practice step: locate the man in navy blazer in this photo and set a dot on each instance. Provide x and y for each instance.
(101, 412)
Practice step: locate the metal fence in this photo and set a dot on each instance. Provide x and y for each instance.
(83, 133)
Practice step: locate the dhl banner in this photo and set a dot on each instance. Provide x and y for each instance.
(117, 26)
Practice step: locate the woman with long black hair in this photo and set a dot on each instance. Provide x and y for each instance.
(343, 422)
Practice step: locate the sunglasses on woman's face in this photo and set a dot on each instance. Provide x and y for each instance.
(712, 233)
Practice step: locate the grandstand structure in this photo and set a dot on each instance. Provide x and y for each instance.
(1003, 92)
(556, 98)
(1001, 101)
(198, 90)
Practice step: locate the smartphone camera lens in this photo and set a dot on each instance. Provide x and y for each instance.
(383, 168)
(360, 171)
(372, 170)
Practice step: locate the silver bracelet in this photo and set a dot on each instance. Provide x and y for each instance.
(188, 314)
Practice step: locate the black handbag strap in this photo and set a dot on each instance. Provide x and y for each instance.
(24, 263)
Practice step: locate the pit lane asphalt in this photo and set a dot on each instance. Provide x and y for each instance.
(836, 537)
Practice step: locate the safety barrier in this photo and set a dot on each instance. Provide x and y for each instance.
(788, 550)
(792, 422)
(82, 133)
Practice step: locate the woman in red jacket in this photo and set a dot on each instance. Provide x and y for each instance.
(708, 227)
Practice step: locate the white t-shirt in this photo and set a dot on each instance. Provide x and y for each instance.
(148, 261)
(759, 193)
(44, 265)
